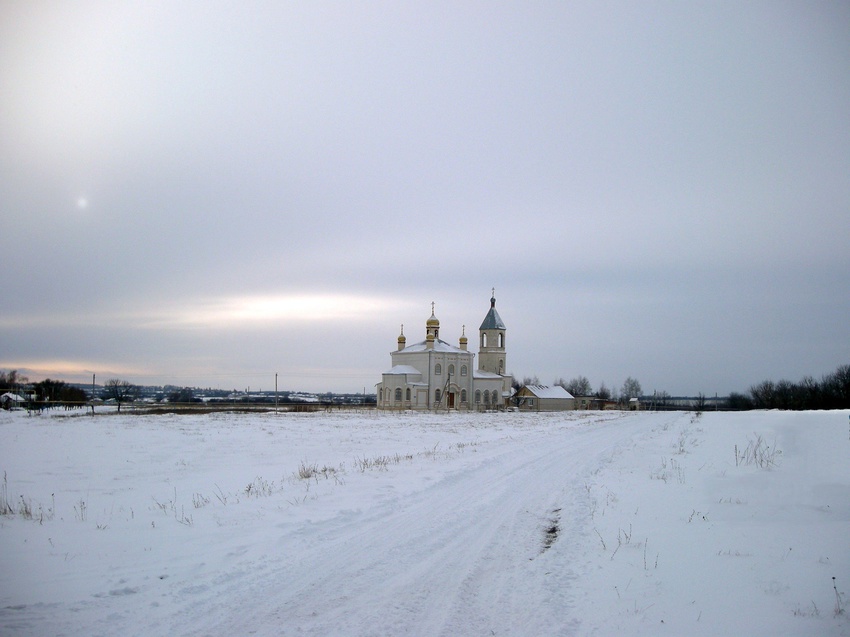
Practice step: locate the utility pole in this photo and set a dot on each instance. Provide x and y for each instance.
(275, 392)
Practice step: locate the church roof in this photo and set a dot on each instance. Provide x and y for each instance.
(493, 321)
(480, 373)
(399, 370)
(439, 346)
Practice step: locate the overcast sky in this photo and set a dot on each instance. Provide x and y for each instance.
(207, 194)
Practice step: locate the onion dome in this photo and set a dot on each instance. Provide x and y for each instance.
(433, 321)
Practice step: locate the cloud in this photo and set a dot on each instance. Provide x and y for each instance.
(242, 312)
(184, 185)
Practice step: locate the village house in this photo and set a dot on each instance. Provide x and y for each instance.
(12, 401)
(544, 398)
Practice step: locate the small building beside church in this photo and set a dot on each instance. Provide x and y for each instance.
(434, 374)
(544, 398)
(594, 402)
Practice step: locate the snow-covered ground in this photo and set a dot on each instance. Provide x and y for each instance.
(595, 523)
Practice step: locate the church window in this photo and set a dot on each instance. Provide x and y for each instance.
(501, 340)
(463, 370)
(477, 395)
(398, 394)
(437, 396)
(501, 365)
(483, 340)
(463, 395)
(438, 369)
(407, 394)
(451, 370)
(486, 396)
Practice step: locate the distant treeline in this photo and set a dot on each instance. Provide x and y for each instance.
(16, 392)
(832, 391)
(53, 393)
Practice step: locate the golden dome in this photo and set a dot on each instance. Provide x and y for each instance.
(433, 321)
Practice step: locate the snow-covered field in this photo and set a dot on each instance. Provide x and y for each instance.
(595, 523)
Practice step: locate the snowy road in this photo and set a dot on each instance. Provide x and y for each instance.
(464, 555)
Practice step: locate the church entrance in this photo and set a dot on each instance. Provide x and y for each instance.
(451, 400)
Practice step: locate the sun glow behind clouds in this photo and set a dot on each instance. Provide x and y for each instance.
(71, 371)
(241, 310)
(225, 312)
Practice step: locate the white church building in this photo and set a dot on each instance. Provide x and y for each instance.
(435, 375)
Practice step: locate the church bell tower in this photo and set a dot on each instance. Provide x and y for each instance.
(491, 357)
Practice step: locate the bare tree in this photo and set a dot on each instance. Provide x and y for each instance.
(578, 386)
(10, 380)
(699, 403)
(836, 389)
(738, 401)
(121, 391)
(515, 383)
(763, 395)
(603, 392)
(631, 389)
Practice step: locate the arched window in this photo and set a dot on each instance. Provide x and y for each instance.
(501, 340)
(398, 394)
(438, 369)
(501, 365)
(483, 340)
(477, 396)
(437, 396)
(463, 370)
(463, 395)
(451, 370)
(486, 396)
(407, 394)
